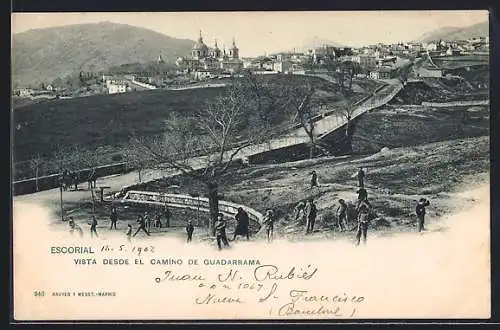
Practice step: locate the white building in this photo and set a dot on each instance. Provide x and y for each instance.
(282, 66)
(115, 89)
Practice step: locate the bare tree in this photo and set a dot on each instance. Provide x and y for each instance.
(301, 98)
(347, 112)
(61, 156)
(205, 146)
(135, 157)
(91, 161)
(36, 163)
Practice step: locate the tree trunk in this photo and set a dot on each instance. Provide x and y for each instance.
(93, 200)
(36, 179)
(140, 177)
(213, 204)
(61, 202)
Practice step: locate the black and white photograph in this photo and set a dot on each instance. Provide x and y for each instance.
(251, 165)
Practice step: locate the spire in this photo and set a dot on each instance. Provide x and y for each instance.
(200, 39)
(215, 46)
(234, 43)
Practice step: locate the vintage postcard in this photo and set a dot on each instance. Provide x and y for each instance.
(251, 165)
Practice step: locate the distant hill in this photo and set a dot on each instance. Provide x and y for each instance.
(315, 42)
(42, 55)
(454, 33)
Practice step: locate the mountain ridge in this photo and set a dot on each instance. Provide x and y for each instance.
(456, 33)
(42, 55)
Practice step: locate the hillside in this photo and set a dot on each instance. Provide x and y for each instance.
(105, 122)
(395, 180)
(42, 55)
(453, 33)
(314, 42)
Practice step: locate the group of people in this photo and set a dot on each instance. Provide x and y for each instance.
(305, 213)
(363, 209)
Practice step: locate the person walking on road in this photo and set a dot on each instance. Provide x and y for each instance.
(93, 227)
(242, 222)
(189, 231)
(142, 225)
(220, 231)
(113, 217)
(420, 211)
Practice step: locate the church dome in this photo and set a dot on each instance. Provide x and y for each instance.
(200, 45)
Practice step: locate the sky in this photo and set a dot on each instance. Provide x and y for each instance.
(259, 32)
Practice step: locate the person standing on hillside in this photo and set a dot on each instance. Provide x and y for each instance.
(363, 214)
(342, 215)
(268, 223)
(361, 177)
(93, 227)
(300, 211)
(129, 232)
(113, 217)
(314, 179)
(242, 222)
(220, 231)
(362, 197)
(420, 211)
(189, 231)
(311, 216)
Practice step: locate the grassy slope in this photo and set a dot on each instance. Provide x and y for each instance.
(433, 159)
(395, 126)
(395, 180)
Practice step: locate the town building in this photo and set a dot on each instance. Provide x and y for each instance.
(383, 73)
(427, 70)
(115, 89)
(282, 66)
(212, 59)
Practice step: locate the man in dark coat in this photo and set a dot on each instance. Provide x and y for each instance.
(113, 217)
(311, 216)
(362, 197)
(242, 222)
(314, 179)
(420, 211)
(189, 231)
(361, 177)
